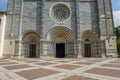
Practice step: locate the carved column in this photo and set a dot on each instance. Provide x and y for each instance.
(77, 20)
(42, 41)
(20, 30)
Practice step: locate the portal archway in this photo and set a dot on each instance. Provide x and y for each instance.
(60, 46)
(90, 43)
(30, 41)
(61, 37)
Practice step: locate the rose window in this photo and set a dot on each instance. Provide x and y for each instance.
(60, 12)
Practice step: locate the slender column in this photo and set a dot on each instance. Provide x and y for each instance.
(44, 52)
(43, 11)
(12, 24)
(20, 30)
(79, 47)
(77, 20)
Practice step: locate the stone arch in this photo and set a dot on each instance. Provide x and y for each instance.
(91, 43)
(61, 37)
(91, 35)
(30, 37)
(30, 44)
(60, 34)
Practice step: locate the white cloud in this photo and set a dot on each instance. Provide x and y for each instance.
(116, 15)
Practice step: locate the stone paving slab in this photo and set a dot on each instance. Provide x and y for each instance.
(68, 66)
(36, 73)
(31, 61)
(17, 66)
(111, 65)
(45, 63)
(60, 69)
(63, 61)
(97, 60)
(76, 77)
(8, 63)
(102, 71)
(84, 63)
(115, 62)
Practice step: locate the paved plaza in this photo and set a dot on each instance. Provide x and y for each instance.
(60, 69)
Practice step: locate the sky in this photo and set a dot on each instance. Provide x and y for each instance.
(115, 8)
(116, 12)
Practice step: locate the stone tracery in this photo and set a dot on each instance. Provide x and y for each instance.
(60, 12)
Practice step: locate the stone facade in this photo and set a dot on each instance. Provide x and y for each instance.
(2, 31)
(59, 28)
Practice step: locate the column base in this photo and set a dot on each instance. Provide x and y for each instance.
(20, 56)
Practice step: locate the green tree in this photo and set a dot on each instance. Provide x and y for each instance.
(117, 32)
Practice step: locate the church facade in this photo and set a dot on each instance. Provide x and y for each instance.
(59, 29)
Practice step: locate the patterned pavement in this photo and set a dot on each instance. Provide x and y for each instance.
(60, 69)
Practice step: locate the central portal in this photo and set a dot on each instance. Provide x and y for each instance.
(60, 50)
(32, 50)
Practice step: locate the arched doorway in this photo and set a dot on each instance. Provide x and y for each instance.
(61, 37)
(60, 42)
(90, 43)
(60, 50)
(87, 48)
(31, 44)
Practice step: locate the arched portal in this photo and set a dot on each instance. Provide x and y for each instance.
(60, 46)
(91, 43)
(30, 41)
(61, 37)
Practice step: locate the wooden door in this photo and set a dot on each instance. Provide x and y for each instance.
(32, 50)
(87, 50)
(60, 50)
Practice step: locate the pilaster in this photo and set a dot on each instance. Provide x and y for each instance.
(20, 30)
(42, 19)
(102, 17)
(109, 17)
(3, 22)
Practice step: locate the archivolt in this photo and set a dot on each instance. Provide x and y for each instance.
(30, 37)
(60, 34)
(91, 35)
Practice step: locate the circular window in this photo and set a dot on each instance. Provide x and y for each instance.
(60, 12)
